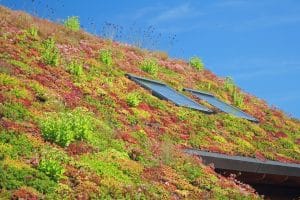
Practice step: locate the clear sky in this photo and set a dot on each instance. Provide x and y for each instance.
(256, 42)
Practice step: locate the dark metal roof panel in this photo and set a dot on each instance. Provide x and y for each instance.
(131, 76)
(247, 164)
(225, 107)
(162, 91)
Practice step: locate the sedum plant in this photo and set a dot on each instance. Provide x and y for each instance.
(149, 65)
(197, 63)
(133, 99)
(66, 127)
(33, 31)
(75, 67)
(51, 168)
(50, 53)
(72, 23)
(238, 98)
(105, 57)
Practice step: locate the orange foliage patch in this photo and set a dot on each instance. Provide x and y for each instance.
(22, 193)
(78, 148)
(128, 138)
(24, 127)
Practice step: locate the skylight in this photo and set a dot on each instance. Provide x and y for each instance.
(162, 91)
(211, 99)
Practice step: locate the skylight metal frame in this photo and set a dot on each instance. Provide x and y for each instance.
(247, 164)
(198, 94)
(140, 80)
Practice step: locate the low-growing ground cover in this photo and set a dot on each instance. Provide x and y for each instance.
(73, 126)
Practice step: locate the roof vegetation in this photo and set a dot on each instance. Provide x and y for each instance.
(73, 126)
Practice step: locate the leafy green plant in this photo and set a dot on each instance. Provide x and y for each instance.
(72, 23)
(105, 56)
(229, 84)
(51, 168)
(33, 31)
(50, 53)
(238, 99)
(66, 127)
(208, 86)
(75, 67)
(133, 99)
(149, 65)
(197, 63)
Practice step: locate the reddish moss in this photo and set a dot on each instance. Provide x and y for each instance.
(45, 80)
(128, 138)
(154, 174)
(280, 134)
(25, 102)
(78, 148)
(277, 113)
(184, 136)
(259, 114)
(285, 159)
(25, 127)
(260, 156)
(72, 98)
(145, 107)
(33, 53)
(23, 193)
(152, 133)
(76, 175)
(2, 98)
(9, 125)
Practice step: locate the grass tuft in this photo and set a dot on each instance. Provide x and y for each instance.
(50, 53)
(133, 99)
(149, 65)
(75, 67)
(105, 57)
(72, 23)
(197, 63)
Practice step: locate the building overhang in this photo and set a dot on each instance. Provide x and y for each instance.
(252, 170)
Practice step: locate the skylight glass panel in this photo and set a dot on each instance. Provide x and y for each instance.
(162, 91)
(211, 99)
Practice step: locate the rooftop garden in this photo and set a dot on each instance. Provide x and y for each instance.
(72, 125)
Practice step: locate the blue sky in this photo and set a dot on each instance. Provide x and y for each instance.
(256, 42)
